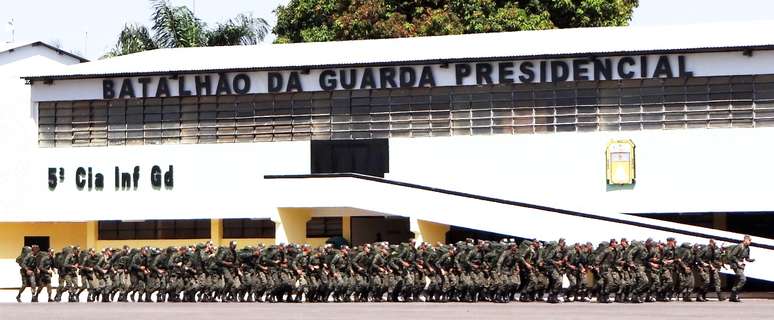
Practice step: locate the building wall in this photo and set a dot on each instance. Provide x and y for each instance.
(692, 170)
(12, 240)
(677, 170)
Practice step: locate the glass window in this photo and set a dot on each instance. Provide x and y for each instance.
(248, 228)
(154, 229)
(324, 227)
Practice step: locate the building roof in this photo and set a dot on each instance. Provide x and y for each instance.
(10, 46)
(471, 47)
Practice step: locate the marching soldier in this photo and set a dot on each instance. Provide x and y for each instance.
(737, 255)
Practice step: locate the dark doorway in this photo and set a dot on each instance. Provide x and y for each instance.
(369, 157)
(376, 229)
(42, 242)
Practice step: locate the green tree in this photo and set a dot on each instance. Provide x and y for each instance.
(177, 27)
(327, 20)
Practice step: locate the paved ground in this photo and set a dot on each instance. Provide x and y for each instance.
(749, 309)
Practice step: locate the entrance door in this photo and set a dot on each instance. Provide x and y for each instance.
(42, 242)
(369, 157)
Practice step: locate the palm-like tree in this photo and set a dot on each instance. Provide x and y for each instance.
(177, 27)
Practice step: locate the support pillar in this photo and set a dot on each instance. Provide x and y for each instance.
(290, 225)
(346, 228)
(426, 231)
(216, 231)
(92, 234)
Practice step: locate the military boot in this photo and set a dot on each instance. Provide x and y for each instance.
(720, 296)
(734, 297)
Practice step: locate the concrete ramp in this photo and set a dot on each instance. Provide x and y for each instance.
(495, 215)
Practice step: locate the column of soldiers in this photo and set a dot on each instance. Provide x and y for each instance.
(466, 271)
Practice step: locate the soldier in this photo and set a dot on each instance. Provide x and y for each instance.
(139, 273)
(607, 261)
(736, 255)
(507, 268)
(342, 272)
(685, 260)
(82, 255)
(102, 280)
(227, 259)
(396, 277)
(58, 265)
(121, 264)
(44, 271)
(713, 257)
(89, 280)
(27, 268)
(554, 262)
(700, 271)
(668, 270)
(70, 267)
(528, 262)
(576, 270)
(636, 259)
(653, 269)
(176, 273)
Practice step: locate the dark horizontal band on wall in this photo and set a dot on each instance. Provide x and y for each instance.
(514, 203)
(406, 62)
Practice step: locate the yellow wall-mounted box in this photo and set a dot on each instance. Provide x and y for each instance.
(619, 156)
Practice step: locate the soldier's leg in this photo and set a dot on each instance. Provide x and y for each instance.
(515, 283)
(738, 285)
(151, 286)
(703, 283)
(654, 282)
(715, 276)
(60, 287)
(229, 285)
(555, 283)
(94, 287)
(686, 284)
(528, 287)
(72, 287)
(24, 284)
(667, 285)
(572, 287)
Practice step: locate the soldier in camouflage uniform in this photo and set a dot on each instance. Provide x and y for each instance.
(44, 261)
(27, 269)
(684, 268)
(653, 269)
(528, 259)
(575, 271)
(668, 257)
(554, 264)
(138, 268)
(607, 260)
(736, 256)
(70, 267)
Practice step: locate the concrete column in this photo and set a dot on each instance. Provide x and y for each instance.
(426, 231)
(92, 234)
(291, 225)
(216, 231)
(346, 228)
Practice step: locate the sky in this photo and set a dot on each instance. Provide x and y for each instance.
(90, 27)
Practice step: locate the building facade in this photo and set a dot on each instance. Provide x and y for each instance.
(585, 134)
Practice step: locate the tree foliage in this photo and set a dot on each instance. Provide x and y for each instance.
(327, 20)
(177, 27)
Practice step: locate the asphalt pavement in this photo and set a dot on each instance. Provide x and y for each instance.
(749, 309)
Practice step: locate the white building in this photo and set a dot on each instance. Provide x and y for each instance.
(474, 135)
